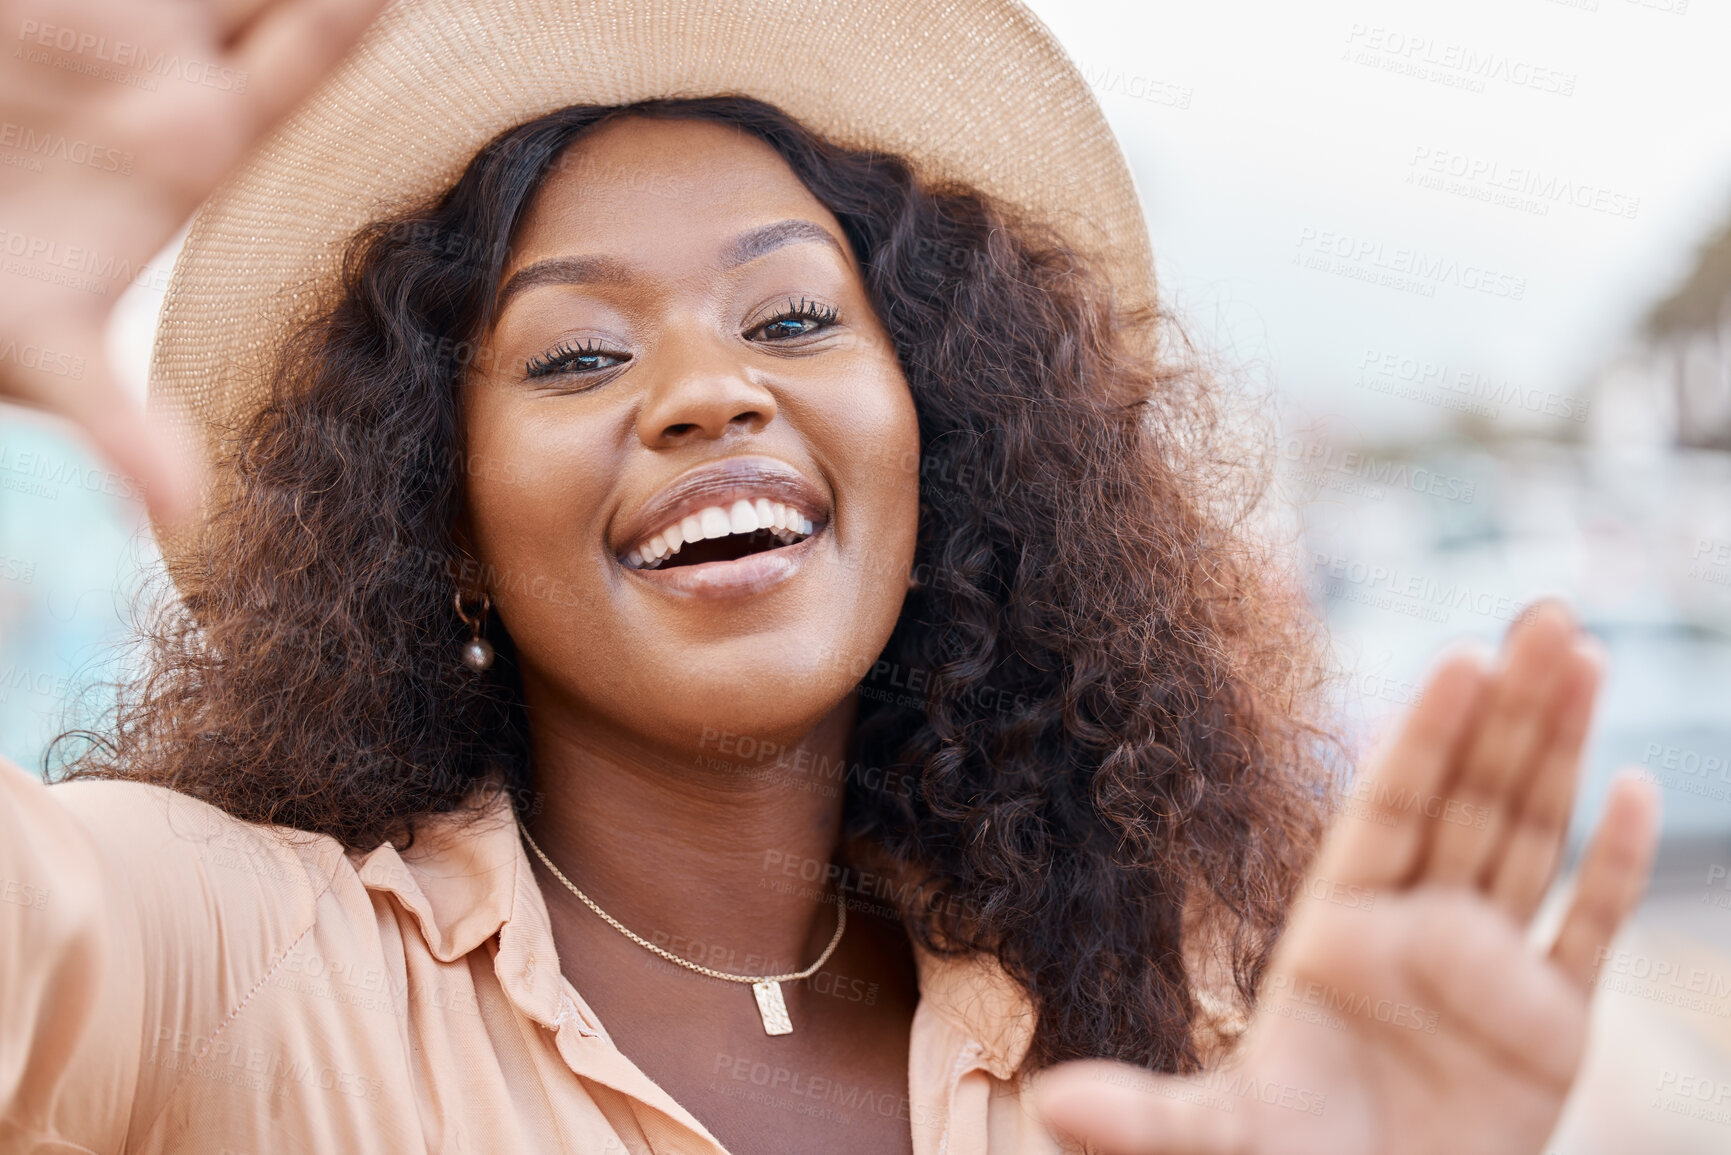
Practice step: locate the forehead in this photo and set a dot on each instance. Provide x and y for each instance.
(638, 179)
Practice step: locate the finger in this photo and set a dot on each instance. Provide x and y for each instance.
(1378, 837)
(1118, 1109)
(135, 443)
(290, 46)
(1612, 878)
(171, 472)
(1523, 870)
(1499, 758)
(232, 16)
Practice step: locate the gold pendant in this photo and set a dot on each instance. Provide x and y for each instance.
(772, 1008)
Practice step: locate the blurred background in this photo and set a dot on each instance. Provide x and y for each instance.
(1478, 254)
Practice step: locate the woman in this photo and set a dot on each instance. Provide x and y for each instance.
(531, 607)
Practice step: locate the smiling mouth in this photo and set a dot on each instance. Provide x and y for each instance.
(715, 533)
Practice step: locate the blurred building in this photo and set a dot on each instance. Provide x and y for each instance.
(1671, 386)
(1688, 343)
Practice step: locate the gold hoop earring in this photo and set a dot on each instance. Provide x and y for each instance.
(477, 651)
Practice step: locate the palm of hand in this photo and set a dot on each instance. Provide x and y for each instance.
(1405, 1011)
(1435, 1008)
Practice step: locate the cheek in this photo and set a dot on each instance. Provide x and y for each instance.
(533, 486)
(891, 434)
(876, 432)
(901, 451)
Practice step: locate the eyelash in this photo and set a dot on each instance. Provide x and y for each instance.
(561, 359)
(824, 315)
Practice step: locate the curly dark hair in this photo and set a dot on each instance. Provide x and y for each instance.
(1115, 762)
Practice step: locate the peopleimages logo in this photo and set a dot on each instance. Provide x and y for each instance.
(1137, 86)
(1414, 594)
(1321, 464)
(1712, 561)
(83, 269)
(49, 145)
(1366, 258)
(1451, 64)
(1523, 187)
(1421, 378)
(50, 474)
(124, 55)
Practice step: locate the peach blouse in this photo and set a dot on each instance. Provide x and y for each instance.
(175, 979)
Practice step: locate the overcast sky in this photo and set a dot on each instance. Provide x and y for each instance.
(1261, 131)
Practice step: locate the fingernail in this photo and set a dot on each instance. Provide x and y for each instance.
(1593, 649)
(1551, 605)
(1475, 650)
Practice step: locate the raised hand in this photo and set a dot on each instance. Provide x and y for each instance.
(122, 116)
(1405, 1012)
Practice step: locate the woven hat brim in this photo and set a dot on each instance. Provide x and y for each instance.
(971, 90)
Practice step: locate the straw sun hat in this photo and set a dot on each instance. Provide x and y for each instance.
(976, 90)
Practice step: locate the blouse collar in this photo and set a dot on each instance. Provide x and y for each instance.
(467, 878)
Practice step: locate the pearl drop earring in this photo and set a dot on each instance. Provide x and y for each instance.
(477, 651)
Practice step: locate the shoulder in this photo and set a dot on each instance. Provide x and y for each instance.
(189, 862)
(215, 905)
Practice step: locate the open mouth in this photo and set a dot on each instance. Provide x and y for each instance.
(715, 533)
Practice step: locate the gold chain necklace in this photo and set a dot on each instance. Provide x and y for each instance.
(771, 1007)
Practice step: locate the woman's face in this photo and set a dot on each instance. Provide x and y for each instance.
(684, 350)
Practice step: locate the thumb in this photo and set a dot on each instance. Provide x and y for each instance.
(1118, 1109)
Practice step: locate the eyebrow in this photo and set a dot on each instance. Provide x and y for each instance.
(750, 245)
(747, 246)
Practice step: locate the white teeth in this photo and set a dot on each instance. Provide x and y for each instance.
(714, 522)
(747, 515)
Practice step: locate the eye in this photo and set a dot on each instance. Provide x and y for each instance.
(797, 320)
(588, 357)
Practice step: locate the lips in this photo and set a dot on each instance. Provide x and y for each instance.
(723, 515)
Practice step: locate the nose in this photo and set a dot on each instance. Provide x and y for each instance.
(701, 391)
